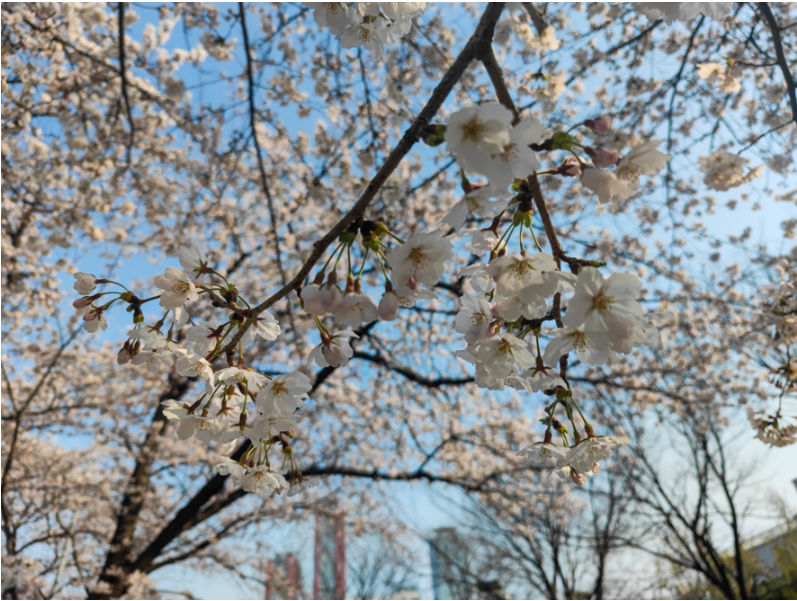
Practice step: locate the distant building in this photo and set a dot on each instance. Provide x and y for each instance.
(329, 578)
(284, 577)
(448, 556)
(773, 562)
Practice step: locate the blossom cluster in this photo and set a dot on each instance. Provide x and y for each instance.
(578, 462)
(724, 170)
(237, 402)
(682, 11)
(367, 24)
(481, 140)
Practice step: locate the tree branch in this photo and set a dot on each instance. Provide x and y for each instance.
(475, 46)
(780, 55)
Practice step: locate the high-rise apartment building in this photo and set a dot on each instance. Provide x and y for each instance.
(329, 580)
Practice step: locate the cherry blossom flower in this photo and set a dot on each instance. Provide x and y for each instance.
(84, 283)
(473, 319)
(196, 366)
(95, 320)
(543, 378)
(483, 241)
(202, 428)
(320, 300)
(369, 35)
(238, 375)
(644, 159)
(337, 16)
(356, 309)
(388, 306)
(260, 480)
(266, 326)
(545, 455)
(586, 454)
(589, 349)
(407, 295)
(477, 202)
(607, 308)
(722, 76)
(335, 351)
(228, 467)
(501, 353)
(283, 394)
(516, 160)
(513, 273)
(725, 170)
(154, 360)
(204, 336)
(272, 423)
(479, 278)
(177, 288)
(475, 134)
(604, 183)
(192, 259)
(302, 486)
(511, 308)
(423, 257)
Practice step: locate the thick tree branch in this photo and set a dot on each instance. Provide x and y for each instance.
(780, 55)
(111, 582)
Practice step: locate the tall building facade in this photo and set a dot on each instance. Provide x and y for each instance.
(329, 581)
(447, 554)
(284, 577)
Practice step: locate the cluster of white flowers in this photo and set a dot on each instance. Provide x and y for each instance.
(725, 170)
(367, 24)
(481, 141)
(725, 77)
(682, 11)
(602, 320)
(238, 402)
(577, 462)
(620, 184)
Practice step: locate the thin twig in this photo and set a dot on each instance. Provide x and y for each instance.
(123, 74)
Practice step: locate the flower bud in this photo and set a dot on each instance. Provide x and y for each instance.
(83, 302)
(381, 229)
(578, 478)
(599, 125)
(570, 167)
(388, 307)
(602, 157)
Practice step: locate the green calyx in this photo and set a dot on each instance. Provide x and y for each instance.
(436, 137)
(562, 141)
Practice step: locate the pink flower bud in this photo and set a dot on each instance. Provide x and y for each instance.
(599, 125)
(602, 157)
(124, 356)
(388, 307)
(82, 302)
(570, 168)
(578, 478)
